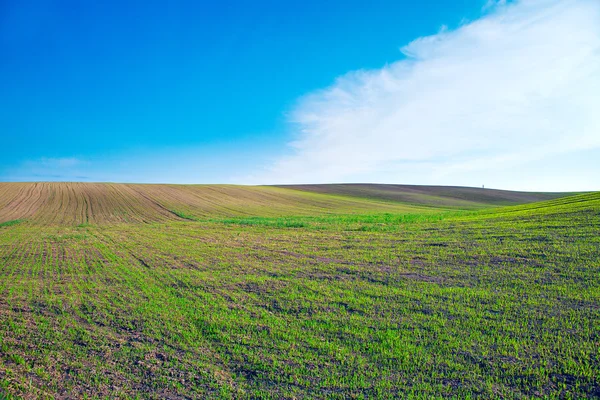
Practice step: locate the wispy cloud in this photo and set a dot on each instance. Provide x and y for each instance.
(67, 162)
(49, 168)
(490, 4)
(519, 85)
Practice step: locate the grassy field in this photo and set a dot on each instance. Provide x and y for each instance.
(349, 298)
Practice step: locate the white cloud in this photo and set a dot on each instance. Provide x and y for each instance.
(515, 88)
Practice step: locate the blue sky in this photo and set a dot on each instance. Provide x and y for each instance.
(289, 92)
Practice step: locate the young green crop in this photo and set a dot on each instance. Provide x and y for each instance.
(478, 304)
(11, 223)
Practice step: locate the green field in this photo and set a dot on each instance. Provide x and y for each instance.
(297, 295)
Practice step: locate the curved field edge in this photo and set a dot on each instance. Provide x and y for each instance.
(49, 203)
(395, 222)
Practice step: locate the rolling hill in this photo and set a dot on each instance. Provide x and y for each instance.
(435, 196)
(498, 303)
(52, 203)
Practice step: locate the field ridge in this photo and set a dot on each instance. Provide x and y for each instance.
(459, 197)
(75, 203)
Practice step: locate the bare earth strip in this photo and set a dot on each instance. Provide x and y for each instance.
(437, 196)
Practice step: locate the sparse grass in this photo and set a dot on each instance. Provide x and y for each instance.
(365, 222)
(5, 396)
(184, 215)
(488, 304)
(11, 223)
(286, 222)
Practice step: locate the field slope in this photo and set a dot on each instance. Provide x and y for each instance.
(436, 196)
(106, 203)
(293, 301)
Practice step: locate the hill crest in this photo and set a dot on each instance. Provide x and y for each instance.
(62, 203)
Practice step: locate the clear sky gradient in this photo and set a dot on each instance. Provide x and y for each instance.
(290, 92)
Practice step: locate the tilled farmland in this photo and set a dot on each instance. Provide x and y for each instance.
(106, 292)
(51, 203)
